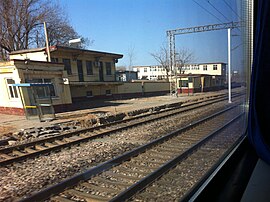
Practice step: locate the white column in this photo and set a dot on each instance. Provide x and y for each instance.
(229, 66)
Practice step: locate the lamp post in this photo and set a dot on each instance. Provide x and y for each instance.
(47, 42)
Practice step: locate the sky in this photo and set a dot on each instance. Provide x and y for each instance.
(119, 26)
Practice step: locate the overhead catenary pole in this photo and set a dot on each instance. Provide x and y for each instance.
(229, 66)
(47, 42)
(171, 40)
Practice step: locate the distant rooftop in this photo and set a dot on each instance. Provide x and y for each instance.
(204, 63)
(66, 48)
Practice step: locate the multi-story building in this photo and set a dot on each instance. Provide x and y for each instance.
(89, 73)
(158, 73)
(189, 78)
(124, 75)
(73, 74)
(150, 72)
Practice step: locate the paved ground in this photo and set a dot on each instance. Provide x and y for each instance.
(12, 123)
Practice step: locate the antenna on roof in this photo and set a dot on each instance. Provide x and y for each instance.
(75, 42)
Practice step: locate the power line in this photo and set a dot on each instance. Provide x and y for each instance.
(236, 47)
(207, 11)
(220, 13)
(232, 9)
(217, 10)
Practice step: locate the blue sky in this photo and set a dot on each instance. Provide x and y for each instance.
(119, 25)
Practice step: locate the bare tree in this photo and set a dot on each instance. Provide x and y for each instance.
(131, 57)
(20, 24)
(121, 68)
(162, 57)
(182, 57)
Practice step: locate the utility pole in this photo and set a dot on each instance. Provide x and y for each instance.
(47, 42)
(229, 66)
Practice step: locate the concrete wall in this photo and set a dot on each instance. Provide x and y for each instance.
(98, 91)
(143, 88)
(125, 89)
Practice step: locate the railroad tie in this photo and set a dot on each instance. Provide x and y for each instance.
(59, 142)
(29, 150)
(5, 156)
(112, 182)
(39, 147)
(49, 144)
(84, 135)
(88, 197)
(159, 157)
(99, 188)
(142, 172)
(121, 175)
(60, 199)
(18, 153)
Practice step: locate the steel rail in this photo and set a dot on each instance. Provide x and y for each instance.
(58, 188)
(147, 180)
(88, 138)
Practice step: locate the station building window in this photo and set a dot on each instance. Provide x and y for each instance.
(43, 92)
(89, 93)
(205, 67)
(108, 92)
(214, 67)
(108, 68)
(67, 66)
(13, 91)
(183, 83)
(55, 60)
(145, 69)
(89, 67)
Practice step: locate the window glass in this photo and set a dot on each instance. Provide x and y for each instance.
(108, 68)
(43, 91)
(108, 92)
(89, 67)
(13, 90)
(67, 66)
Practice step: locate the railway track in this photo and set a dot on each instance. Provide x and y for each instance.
(118, 179)
(43, 146)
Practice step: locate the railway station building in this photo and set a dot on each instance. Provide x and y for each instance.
(89, 73)
(73, 75)
(16, 100)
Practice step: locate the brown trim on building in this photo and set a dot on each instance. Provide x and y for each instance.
(12, 111)
(62, 108)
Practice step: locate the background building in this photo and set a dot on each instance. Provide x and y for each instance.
(158, 73)
(123, 75)
(150, 72)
